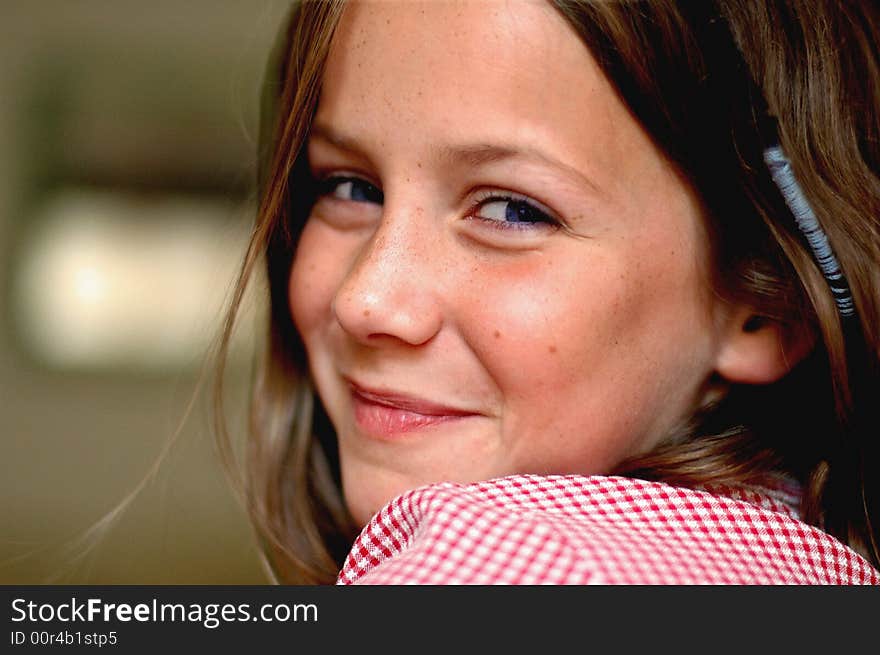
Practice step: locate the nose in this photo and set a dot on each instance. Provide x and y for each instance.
(391, 293)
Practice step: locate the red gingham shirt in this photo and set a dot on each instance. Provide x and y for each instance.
(529, 529)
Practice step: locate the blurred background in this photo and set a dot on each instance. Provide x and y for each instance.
(127, 159)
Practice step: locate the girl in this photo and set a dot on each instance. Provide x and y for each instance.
(570, 292)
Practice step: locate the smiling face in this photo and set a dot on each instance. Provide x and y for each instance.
(501, 274)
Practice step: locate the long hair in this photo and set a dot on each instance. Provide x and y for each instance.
(695, 75)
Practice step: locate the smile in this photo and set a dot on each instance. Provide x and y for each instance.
(389, 414)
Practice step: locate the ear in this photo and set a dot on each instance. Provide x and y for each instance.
(759, 350)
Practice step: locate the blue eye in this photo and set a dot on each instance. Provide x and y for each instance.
(512, 213)
(350, 188)
(502, 212)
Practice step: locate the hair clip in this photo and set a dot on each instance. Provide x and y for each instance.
(783, 177)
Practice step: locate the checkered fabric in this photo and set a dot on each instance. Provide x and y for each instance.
(528, 529)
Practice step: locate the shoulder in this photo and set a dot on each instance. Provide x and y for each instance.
(528, 529)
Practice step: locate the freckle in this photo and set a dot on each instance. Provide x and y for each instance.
(497, 334)
(366, 312)
(552, 349)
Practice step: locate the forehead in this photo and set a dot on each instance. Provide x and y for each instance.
(413, 75)
(472, 37)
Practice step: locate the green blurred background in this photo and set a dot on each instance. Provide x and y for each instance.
(126, 189)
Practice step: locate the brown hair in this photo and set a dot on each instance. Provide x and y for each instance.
(695, 74)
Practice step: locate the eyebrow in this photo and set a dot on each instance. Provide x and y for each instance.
(475, 155)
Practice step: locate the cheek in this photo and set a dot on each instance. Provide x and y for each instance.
(536, 325)
(587, 361)
(314, 277)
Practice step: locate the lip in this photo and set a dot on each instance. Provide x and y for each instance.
(386, 414)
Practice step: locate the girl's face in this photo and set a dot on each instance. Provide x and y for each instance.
(502, 273)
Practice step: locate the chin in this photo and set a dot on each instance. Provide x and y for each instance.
(367, 488)
(363, 503)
